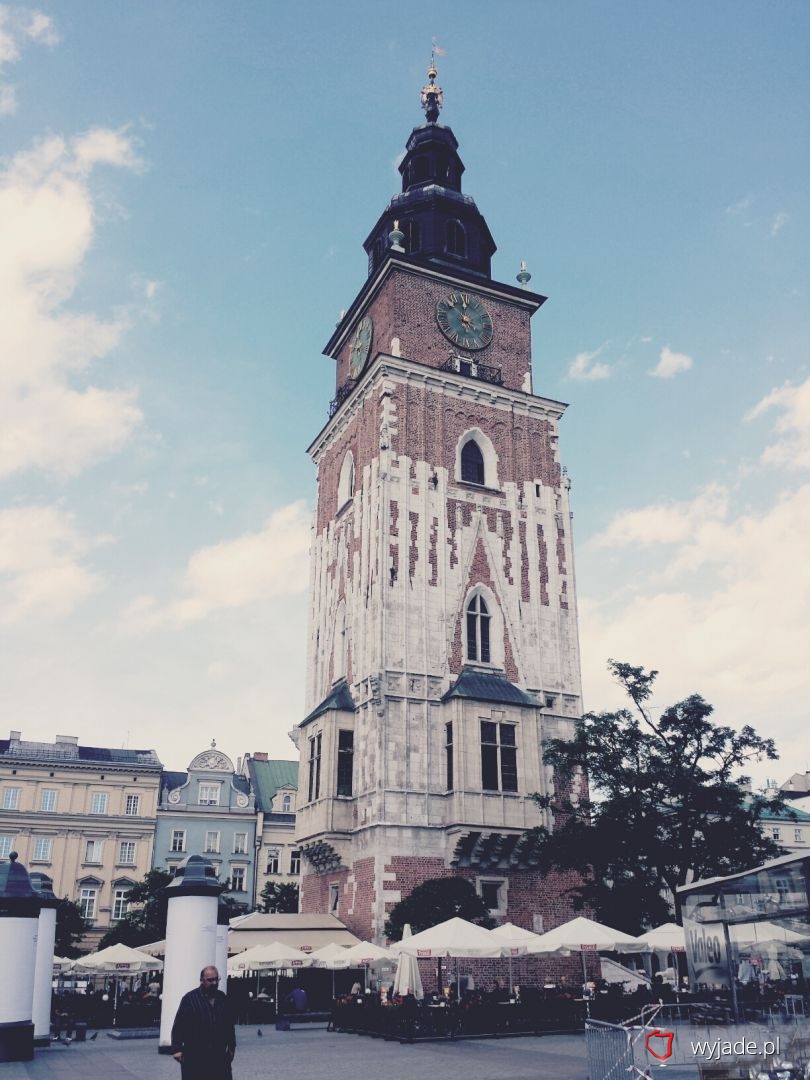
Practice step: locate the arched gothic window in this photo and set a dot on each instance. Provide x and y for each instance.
(413, 237)
(478, 626)
(472, 463)
(456, 239)
(346, 480)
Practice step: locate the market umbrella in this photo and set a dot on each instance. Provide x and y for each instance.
(669, 937)
(454, 937)
(408, 979)
(116, 960)
(365, 953)
(514, 941)
(272, 956)
(584, 935)
(332, 957)
(60, 964)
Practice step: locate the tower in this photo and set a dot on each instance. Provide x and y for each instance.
(443, 628)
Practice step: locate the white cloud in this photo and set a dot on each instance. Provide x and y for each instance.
(792, 451)
(583, 369)
(18, 26)
(664, 523)
(738, 634)
(48, 420)
(740, 206)
(41, 570)
(670, 364)
(256, 567)
(779, 222)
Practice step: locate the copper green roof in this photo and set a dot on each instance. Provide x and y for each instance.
(267, 777)
(487, 686)
(338, 698)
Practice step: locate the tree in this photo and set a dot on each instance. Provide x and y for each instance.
(71, 926)
(665, 806)
(146, 919)
(278, 898)
(434, 901)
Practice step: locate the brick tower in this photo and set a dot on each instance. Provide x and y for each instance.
(443, 626)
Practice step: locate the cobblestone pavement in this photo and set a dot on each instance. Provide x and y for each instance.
(316, 1054)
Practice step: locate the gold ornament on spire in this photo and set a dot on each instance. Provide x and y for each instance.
(432, 96)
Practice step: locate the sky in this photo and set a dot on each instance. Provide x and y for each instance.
(184, 192)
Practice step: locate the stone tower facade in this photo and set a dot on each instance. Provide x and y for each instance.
(443, 640)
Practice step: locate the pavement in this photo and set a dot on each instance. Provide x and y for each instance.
(317, 1054)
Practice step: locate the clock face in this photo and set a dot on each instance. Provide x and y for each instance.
(464, 320)
(360, 347)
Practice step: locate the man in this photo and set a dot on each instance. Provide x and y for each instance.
(203, 1036)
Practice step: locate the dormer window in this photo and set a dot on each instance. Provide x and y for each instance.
(286, 804)
(209, 794)
(456, 239)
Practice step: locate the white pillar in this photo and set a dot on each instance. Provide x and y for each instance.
(19, 922)
(191, 929)
(221, 961)
(43, 969)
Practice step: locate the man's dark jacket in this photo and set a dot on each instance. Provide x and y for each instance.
(204, 1032)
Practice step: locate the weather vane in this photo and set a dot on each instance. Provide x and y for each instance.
(432, 96)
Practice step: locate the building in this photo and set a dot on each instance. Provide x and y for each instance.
(790, 828)
(209, 810)
(796, 789)
(83, 815)
(275, 786)
(443, 643)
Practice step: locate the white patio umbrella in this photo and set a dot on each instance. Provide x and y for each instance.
(407, 979)
(333, 958)
(60, 964)
(768, 931)
(669, 937)
(365, 953)
(116, 960)
(583, 936)
(454, 937)
(274, 956)
(514, 941)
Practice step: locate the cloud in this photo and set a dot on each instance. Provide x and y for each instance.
(41, 570)
(793, 450)
(18, 27)
(779, 222)
(740, 206)
(256, 567)
(664, 523)
(737, 634)
(670, 364)
(583, 369)
(49, 418)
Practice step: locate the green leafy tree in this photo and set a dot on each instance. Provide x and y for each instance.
(71, 926)
(277, 898)
(666, 806)
(146, 919)
(434, 901)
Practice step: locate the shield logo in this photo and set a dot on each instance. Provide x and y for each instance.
(667, 1036)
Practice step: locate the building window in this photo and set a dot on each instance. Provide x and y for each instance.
(209, 794)
(798, 836)
(11, 798)
(345, 762)
(126, 852)
(472, 463)
(133, 805)
(478, 622)
(212, 841)
(87, 903)
(776, 834)
(93, 851)
(286, 804)
(98, 804)
(334, 899)
(341, 651)
(42, 849)
(498, 757)
(413, 237)
(5, 846)
(238, 879)
(448, 755)
(491, 894)
(346, 480)
(47, 800)
(240, 843)
(120, 904)
(456, 239)
(272, 862)
(178, 840)
(295, 862)
(314, 767)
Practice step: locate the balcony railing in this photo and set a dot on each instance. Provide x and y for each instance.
(340, 396)
(464, 365)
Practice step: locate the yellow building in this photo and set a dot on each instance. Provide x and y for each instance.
(84, 815)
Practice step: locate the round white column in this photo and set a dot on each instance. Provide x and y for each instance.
(191, 931)
(43, 970)
(221, 951)
(19, 923)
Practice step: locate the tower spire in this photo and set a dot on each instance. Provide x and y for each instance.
(432, 96)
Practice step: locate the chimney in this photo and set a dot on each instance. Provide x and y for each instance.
(15, 736)
(69, 740)
(260, 755)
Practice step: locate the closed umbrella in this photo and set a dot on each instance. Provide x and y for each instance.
(407, 979)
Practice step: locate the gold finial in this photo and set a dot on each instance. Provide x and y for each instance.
(432, 96)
